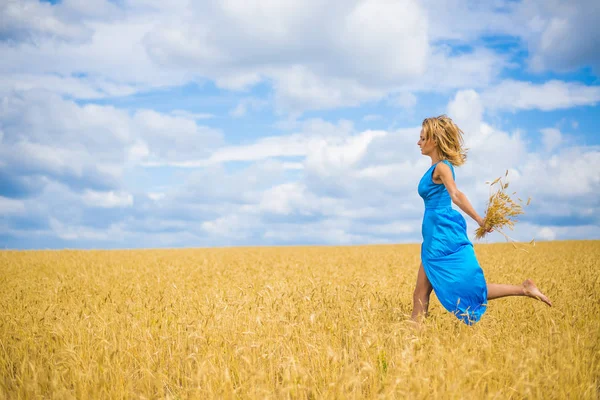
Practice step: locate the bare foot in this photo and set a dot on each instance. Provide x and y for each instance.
(532, 291)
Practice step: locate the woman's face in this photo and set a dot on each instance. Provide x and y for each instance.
(427, 146)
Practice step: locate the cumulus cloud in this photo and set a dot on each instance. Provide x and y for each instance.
(27, 20)
(174, 137)
(311, 133)
(11, 206)
(549, 178)
(371, 117)
(247, 104)
(46, 138)
(348, 30)
(404, 100)
(551, 95)
(559, 36)
(448, 71)
(85, 233)
(466, 109)
(299, 89)
(108, 199)
(551, 138)
(112, 61)
(562, 36)
(159, 46)
(71, 86)
(318, 68)
(140, 46)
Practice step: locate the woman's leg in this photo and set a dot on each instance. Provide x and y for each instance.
(528, 288)
(421, 295)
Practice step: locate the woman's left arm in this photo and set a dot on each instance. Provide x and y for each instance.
(444, 173)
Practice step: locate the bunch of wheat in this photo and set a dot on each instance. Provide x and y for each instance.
(502, 209)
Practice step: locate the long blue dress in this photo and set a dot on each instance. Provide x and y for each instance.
(447, 253)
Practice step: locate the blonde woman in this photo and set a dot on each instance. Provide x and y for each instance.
(448, 262)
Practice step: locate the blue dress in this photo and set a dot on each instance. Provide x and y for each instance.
(447, 253)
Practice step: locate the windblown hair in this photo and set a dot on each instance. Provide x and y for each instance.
(449, 138)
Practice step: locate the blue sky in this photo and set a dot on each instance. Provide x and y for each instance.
(144, 123)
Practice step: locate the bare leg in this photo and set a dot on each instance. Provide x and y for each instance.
(421, 295)
(528, 288)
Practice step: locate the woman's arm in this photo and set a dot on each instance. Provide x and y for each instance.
(444, 173)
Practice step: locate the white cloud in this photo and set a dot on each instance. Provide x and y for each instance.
(490, 150)
(394, 228)
(527, 231)
(332, 231)
(11, 206)
(191, 115)
(372, 117)
(562, 36)
(312, 132)
(404, 100)
(466, 109)
(316, 68)
(551, 138)
(174, 137)
(551, 95)
(366, 34)
(476, 19)
(112, 61)
(326, 159)
(567, 174)
(89, 146)
(290, 146)
(230, 227)
(247, 104)
(348, 30)
(79, 232)
(89, 88)
(141, 46)
(138, 152)
(298, 89)
(558, 35)
(108, 199)
(27, 19)
(446, 70)
(285, 199)
(157, 196)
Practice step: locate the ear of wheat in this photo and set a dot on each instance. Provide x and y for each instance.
(502, 209)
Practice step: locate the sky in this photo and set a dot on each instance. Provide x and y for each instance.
(153, 124)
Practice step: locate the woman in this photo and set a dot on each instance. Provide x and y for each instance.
(448, 262)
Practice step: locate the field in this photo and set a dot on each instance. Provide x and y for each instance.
(291, 322)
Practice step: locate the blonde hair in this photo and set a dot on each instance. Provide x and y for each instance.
(449, 138)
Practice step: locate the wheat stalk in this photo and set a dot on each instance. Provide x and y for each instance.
(502, 210)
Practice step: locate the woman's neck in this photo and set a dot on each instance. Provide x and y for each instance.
(435, 158)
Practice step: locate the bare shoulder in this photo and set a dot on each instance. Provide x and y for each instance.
(442, 172)
(442, 169)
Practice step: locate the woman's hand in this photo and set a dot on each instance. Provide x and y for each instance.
(481, 221)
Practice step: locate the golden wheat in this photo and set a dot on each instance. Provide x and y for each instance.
(295, 322)
(502, 210)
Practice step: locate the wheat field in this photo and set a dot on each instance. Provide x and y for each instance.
(291, 322)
